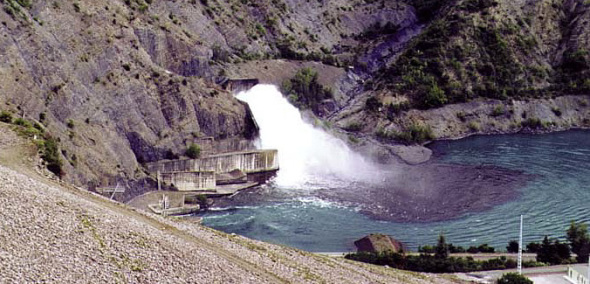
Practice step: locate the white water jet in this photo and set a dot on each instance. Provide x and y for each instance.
(308, 156)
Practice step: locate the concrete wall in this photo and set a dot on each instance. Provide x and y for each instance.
(248, 162)
(238, 85)
(190, 181)
(578, 274)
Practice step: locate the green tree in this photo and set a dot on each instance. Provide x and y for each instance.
(513, 278)
(442, 249)
(485, 248)
(553, 252)
(577, 235)
(193, 151)
(512, 246)
(533, 247)
(563, 251)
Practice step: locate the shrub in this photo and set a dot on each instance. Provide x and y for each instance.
(513, 278)
(512, 246)
(553, 252)
(577, 235)
(193, 151)
(416, 133)
(472, 249)
(556, 111)
(353, 127)
(473, 126)
(305, 87)
(429, 263)
(533, 123)
(461, 116)
(575, 61)
(426, 249)
(22, 122)
(6, 117)
(533, 247)
(484, 248)
(394, 109)
(498, 110)
(372, 104)
(51, 156)
(202, 200)
(435, 97)
(70, 123)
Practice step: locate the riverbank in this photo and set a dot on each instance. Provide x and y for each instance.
(375, 134)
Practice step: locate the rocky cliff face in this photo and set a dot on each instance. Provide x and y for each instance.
(115, 85)
(123, 82)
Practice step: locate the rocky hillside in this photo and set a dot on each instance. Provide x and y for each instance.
(118, 83)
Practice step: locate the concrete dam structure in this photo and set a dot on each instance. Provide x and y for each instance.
(202, 174)
(247, 161)
(238, 85)
(189, 181)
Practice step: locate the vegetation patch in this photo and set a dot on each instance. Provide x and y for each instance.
(513, 278)
(193, 151)
(304, 91)
(439, 262)
(6, 117)
(51, 156)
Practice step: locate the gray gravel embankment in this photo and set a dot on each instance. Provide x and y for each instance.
(51, 233)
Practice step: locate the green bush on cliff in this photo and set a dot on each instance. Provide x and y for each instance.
(415, 133)
(305, 88)
(6, 117)
(51, 156)
(193, 151)
(533, 123)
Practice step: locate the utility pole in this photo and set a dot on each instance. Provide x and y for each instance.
(158, 178)
(520, 248)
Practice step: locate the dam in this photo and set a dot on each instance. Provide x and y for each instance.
(249, 162)
(181, 182)
(238, 85)
(206, 173)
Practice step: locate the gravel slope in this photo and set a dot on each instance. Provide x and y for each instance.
(57, 234)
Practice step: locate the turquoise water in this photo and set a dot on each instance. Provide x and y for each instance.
(558, 193)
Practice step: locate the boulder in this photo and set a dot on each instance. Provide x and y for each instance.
(378, 243)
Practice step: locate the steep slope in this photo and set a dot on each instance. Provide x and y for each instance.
(118, 83)
(111, 84)
(59, 234)
(494, 49)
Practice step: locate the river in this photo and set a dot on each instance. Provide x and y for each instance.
(297, 210)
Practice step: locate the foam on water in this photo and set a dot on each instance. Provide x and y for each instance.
(308, 157)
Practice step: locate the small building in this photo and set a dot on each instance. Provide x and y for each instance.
(578, 274)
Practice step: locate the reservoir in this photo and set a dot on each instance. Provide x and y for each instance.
(297, 209)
